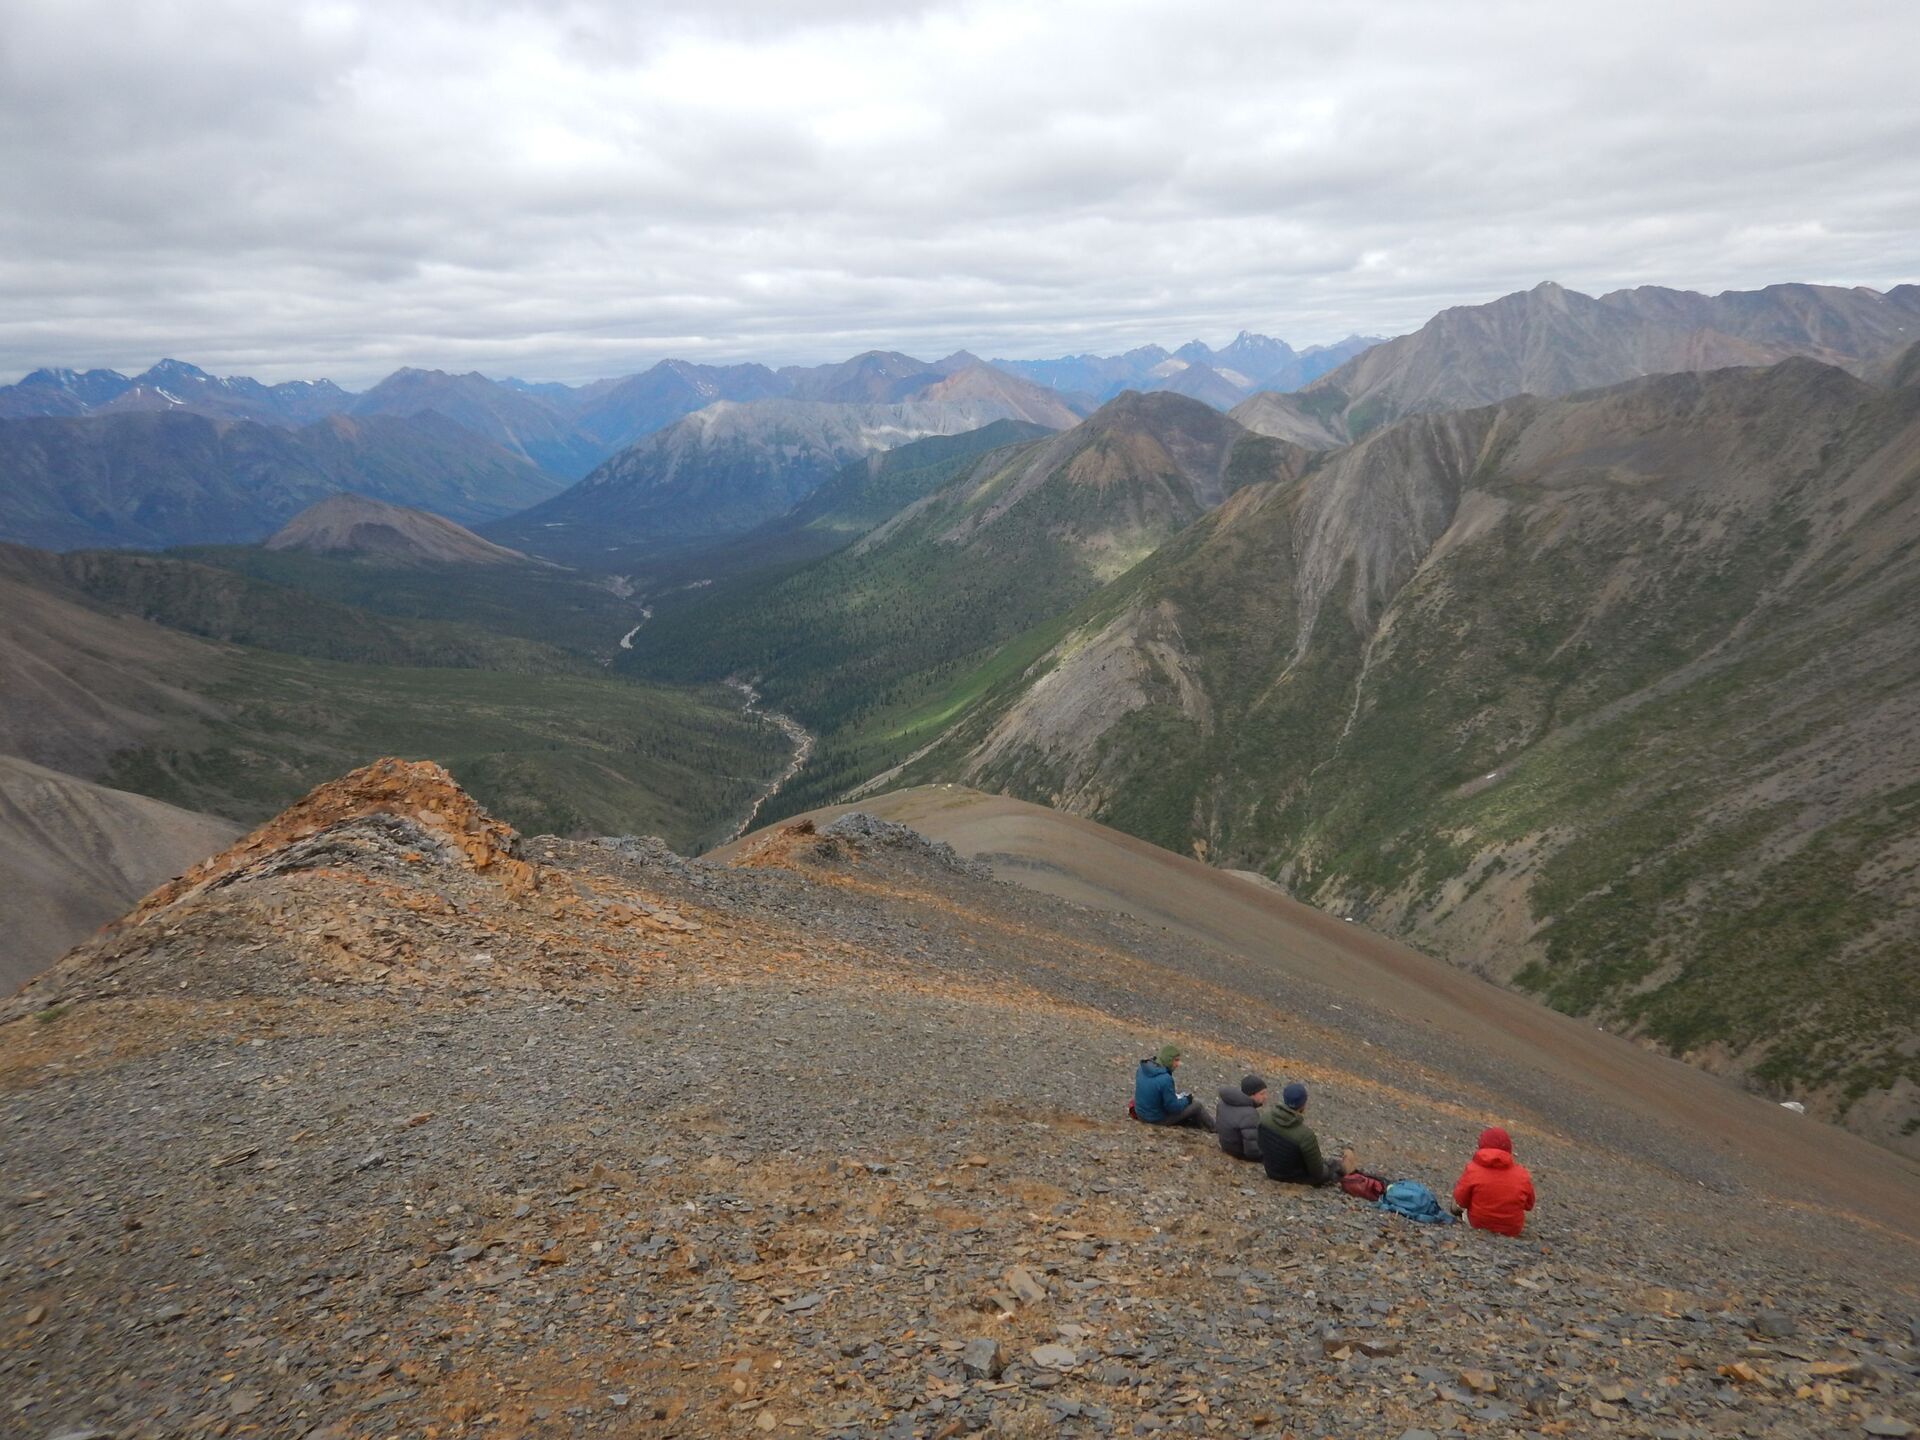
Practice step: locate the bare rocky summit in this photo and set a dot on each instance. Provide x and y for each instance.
(386, 1121)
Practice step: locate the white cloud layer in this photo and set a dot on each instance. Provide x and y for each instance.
(576, 189)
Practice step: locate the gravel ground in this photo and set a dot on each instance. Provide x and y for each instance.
(378, 1132)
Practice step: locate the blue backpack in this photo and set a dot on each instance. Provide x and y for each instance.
(1415, 1201)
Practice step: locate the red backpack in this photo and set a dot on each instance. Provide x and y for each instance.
(1362, 1186)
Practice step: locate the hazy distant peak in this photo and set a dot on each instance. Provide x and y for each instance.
(958, 360)
(167, 371)
(66, 379)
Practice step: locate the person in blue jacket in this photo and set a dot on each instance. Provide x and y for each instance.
(1156, 1101)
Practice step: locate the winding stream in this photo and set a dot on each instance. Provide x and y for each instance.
(626, 640)
(794, 731)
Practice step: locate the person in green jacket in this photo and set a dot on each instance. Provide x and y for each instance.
(1289, 1150)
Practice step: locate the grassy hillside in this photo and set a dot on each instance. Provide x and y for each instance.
(219, 604)
(1617, 698)
(583, 613)
(559, 754)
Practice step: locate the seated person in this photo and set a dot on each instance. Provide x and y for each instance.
(1239, 1117)
(1289, 1150)
(1495, 1190)
(1157, 1102)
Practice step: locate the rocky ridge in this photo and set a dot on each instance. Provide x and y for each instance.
(1554, 341)
(388, 1121)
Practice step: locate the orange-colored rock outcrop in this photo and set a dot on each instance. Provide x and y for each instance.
(417, 790)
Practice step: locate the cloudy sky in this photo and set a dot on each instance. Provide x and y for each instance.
(567, 190)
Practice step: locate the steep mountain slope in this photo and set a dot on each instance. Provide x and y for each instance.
(82, 684)
(326, 1136)
(1616, 697)
(729, 468)
(348, 524)
(854, 643)
(77, 855)
(1554, 341)
(173, 478)
(522, 424)
(1307, 423)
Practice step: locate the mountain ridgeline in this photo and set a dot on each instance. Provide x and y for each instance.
(171, 385)
(1554, 341)
(1615, 697)
(1220, 378)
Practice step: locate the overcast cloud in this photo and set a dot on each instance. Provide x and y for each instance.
(570, 190)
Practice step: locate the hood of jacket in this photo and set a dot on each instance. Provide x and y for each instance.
(1279, 1117)
(1493, 1159)
(1235, 1096)
(1151, 1068)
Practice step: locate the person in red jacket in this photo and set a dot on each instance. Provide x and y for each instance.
(1495, 1189)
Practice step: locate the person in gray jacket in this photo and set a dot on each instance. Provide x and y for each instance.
(1237, 1121)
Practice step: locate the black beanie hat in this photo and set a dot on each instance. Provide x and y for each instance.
(1251, 1085)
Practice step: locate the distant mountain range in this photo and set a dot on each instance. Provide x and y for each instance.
(732, 466)
(686, 455)
(1221, 378)
(171, 385)
(569, 429)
